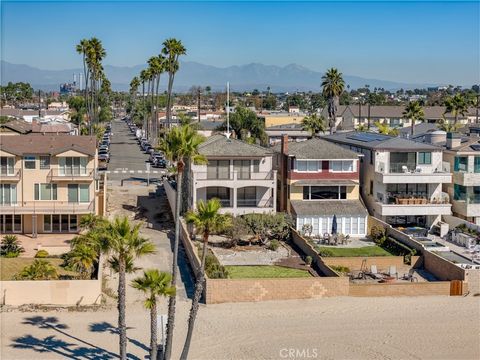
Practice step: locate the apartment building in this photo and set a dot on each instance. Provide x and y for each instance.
(318, 180)
(400, 179)
(237, 173)
(47, 182)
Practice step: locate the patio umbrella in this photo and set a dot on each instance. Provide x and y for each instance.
(334, 225)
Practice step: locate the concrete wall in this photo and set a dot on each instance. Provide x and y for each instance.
(454, 221)
(441, 268)
(171, 194)
(396, 234)
(410, 289)
(383, 263)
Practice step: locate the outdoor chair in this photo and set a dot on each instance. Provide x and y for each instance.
(392, 271)
(374, 273)
(410, 276)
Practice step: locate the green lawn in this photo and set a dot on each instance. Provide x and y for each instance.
(12, 266)
(344, 252)
(266, 271)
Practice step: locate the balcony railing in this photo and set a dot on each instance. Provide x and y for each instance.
(469, 199)
(412, 168)
(234, 175)
(412, 199)
(5, 174)
(71, 174)
(48, 207)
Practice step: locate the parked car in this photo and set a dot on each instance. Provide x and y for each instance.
(154, 155)
(103, 156)
(159, 162)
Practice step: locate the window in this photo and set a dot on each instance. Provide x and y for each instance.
(8, 194)
(247, 196)
(475, 198)
(308, 165)
(242, 168)
(221, 193)
(6, 165)
(459, 192)
(78, 193)
(476, 164)
(461, 163)
(72, 165)
(324, 192)
(341, 165)
(45, 191)
(218, 169)
(44, 162)
(60, 223)
(29, 162)
(10, 223)
(424, 158)
(256, 166)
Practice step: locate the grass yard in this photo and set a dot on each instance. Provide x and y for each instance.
(344, 252)
(265, 271)
(12, 266)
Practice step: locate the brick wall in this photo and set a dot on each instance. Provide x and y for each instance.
(250, 290)
(383, 263)
(441, 268)
(410, 289)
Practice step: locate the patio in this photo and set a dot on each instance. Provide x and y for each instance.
(54, 244)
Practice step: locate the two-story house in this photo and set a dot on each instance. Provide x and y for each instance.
(400, 179)
(240, 175)
(47, 182)
(318, 180)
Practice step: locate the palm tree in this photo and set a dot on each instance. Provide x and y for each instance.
(206, 219)
(456, 105)
(313, 124)
(38, 270)
(179, 145)
(384, 128)
(83, 48)
(153, 284)
(157, 67)
(414, 112)
(11, 246)
(125, 245)
(144, 77)
(134, 84)
(333, 86)
(446, 126)
(82, 258)
(172, 49)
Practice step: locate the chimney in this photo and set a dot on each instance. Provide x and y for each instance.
(284, 145)
(452, 141)
(437, 137)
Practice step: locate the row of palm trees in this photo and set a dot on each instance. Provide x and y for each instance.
(165, 62)
(93, 53)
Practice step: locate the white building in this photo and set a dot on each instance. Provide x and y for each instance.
(401, 180)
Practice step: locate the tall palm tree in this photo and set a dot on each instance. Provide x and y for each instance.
(456, 105)
(83, 48)
(134, 84)
(206, 219)
(414, 112)
(179, 145)
(313, 124)
(125, 245)
(144, 77)
(157, 67)
(333, 86)
(153, 284)
(172, 49)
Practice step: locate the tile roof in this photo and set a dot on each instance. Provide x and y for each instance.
(48, 144)
(329, 207)
(20, 126)
(318, 149)
(219, 146)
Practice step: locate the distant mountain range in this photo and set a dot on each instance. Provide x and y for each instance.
(290, 78)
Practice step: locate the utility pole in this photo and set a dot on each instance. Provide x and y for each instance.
(199, 90)
(39, 105)
(368, 124)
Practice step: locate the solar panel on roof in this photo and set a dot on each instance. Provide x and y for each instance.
(368, 137)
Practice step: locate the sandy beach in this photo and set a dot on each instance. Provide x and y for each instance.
(334, 328)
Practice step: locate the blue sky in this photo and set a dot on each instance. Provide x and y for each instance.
(430, 42)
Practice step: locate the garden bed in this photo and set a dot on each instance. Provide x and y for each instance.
(365, 251)
(261, 272)
(9, 267)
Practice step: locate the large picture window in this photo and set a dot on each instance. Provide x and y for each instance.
(324, 192)
(341, 165)
(60, 223)
(221, 193)
(6, 165)
(218, 169)
(308, 165)
(45, 191)
(72, 166)
(78, 193)
(247, 196)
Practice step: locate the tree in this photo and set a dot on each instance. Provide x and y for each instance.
(414, 112)
(10, 246)
(125, 245)
(172, 50)
(153, 284)
(245, 123)
(38, 270)
(446, 126)
(83, 258)
(313, 124)
(384, 128)
(456, 105)
(179, 145)
(333, 86)
(206, 219)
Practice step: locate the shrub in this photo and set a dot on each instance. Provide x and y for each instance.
(273, 245)
(213, 268)
(41, 254)
(38, 270)
(269, 226)
(238, 229)
(307, 229)
(10, 255)
(308, 260)
(378, 235)
(342, 270)
(397, 248)
(10, 245)
(325, 252)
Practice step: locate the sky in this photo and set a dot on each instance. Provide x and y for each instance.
(416, 42)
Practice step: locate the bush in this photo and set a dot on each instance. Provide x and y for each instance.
(342, 270)
(308, 260)
(397, 248)
(378, 235)
(38, 270)
(325, 252)
(41, 254)
(10, 245)
(273, 245)
(10, 255)
(213, 268)
(269, 226)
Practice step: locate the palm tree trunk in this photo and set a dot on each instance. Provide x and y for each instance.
(157, 122)
(152, 110)
(173, 299)
(196, 300)
(412, 128)
(122, 327)
(153, 332)
(169, 98)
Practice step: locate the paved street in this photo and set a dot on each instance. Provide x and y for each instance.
(127, 161)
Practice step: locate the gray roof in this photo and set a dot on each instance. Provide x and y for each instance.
(420, 128)
(48, 144)
(329, 207)
(219, 146)
(383, 142)
(316, 148)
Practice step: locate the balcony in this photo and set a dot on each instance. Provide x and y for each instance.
(248, 206)
(466, 178)
(47, 207)
(235, 179)
(410, 173)
(412, 204)
(469, 207)
(71, 174)
(10, 175)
